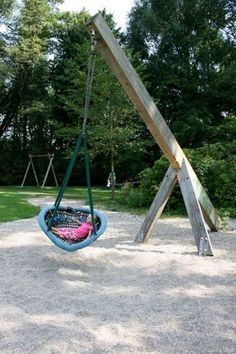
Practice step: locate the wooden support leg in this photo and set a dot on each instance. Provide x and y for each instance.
(195, 214)
(158, 205)
(54, 174)
(26, 173)
(34, 171)
(210, 215)
(50, 157)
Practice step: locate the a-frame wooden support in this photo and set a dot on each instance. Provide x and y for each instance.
(192, 204)
(50, 166)
(199, 207)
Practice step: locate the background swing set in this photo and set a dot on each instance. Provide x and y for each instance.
(50, 158)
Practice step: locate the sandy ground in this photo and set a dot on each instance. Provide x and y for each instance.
(116, 296)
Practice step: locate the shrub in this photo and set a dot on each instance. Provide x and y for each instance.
(215, 167)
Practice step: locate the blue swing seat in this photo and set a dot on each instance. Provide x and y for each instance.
(66, 217)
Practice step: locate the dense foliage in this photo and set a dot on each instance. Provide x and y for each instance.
(46, 55)
(183, 50)
(189, 52)
(215, 166)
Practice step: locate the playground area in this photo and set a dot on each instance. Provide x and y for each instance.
(117, 296)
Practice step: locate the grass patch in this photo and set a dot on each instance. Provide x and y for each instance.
(14, 204)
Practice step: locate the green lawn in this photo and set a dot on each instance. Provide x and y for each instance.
(14, 205)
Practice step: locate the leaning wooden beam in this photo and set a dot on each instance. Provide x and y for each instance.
(137, 92)
(158, 205)
(26, 173)
(194, 211)
(209, 212)
(54, 173)
(147, 109)
(34, 171)
(50, 157)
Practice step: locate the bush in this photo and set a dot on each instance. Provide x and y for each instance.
(215, 167)
(130, 196)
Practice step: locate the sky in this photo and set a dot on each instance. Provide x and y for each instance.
(119, 9)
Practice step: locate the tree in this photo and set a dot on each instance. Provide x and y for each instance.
(67, 77)
(114, 127)
(6, 7)
(28, 83)
(188, 48)
(111, 126)
(24, 99)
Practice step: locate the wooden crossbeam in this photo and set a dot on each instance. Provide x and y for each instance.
(180, 167)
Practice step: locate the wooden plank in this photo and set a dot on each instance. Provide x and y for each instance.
(136, 90)
(34, 171)
(193, 207)
(26, 173)
(158, 205)
(50, 157)
(210, 215)
(54, 173)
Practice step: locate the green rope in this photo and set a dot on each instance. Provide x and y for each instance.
(88, 178)
(91, 68)
(69, 171)
(82, 139)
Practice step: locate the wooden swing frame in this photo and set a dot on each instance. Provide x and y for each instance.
(50, 166)
(200, 210)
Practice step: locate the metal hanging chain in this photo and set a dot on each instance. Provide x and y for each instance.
(90, 75)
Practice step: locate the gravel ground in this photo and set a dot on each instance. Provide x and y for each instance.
(116, 296)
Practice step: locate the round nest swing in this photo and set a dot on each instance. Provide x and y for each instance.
(68, 217)
(58, 216)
